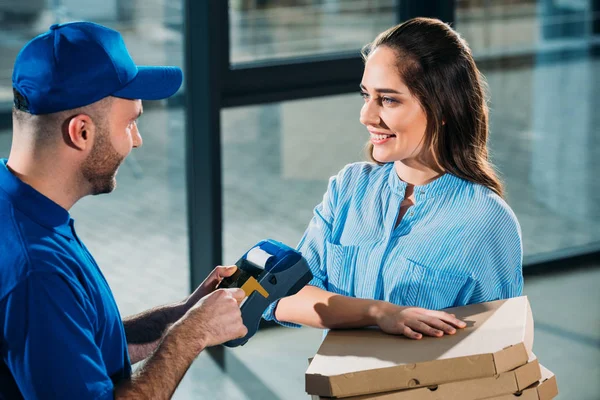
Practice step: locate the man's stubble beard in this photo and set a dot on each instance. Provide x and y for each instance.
(101, 166)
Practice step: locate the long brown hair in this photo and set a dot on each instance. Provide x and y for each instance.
(437, 66)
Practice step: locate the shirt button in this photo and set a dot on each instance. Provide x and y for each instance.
(422, 192)
(411, 213)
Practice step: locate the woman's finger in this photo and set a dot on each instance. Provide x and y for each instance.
(409, 333)
(423, 328)
(447, 318)
(438, 324)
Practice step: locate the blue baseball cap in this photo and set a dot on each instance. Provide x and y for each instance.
(78, 63)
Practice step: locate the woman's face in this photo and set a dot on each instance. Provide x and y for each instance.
(394, 118)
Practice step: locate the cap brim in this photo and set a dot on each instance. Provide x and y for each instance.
(152, 83)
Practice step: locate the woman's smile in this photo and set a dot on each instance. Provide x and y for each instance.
(379, 138)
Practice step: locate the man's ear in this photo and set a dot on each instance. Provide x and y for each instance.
(80, 132)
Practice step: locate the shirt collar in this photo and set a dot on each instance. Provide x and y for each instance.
(441, 185)
(34, 204)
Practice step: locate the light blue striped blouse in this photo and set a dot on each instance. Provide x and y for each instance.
(459, 244)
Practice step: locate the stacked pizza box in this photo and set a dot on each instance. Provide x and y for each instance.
(492, 358)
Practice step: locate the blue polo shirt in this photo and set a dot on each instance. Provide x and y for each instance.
(61, 335)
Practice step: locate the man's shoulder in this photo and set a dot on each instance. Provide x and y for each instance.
(25, 247)
(13, 253)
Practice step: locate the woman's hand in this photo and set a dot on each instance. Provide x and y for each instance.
(414, 322)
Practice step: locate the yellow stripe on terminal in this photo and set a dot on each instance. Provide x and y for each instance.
(252, 285)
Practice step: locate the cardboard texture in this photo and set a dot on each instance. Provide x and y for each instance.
(505, 383)
(498, 338)
(545, 389)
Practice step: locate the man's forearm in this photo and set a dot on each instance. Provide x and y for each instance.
(159, 376)
(145, 330)
(318, 308)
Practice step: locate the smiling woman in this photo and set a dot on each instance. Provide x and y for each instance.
(415, 78)
(393, 117)
(423, 226)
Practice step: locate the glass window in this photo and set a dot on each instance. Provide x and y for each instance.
(277, 160)
(138, 233)
(513, 27)
(152, 30)
(275, 29)
(543, 137)
(543, 141)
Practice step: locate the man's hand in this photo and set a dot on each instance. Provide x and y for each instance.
(209, 285)
(414, 322)
(215, 319)
(145, 330)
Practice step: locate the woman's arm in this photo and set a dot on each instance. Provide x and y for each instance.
(495, 252)
(318, 308)
(315, 307)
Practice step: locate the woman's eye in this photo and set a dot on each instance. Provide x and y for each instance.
(388, 100)
(364, 95)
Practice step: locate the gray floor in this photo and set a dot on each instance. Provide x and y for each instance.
(276, 161)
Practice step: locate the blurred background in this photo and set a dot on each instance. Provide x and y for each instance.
(269, 111)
